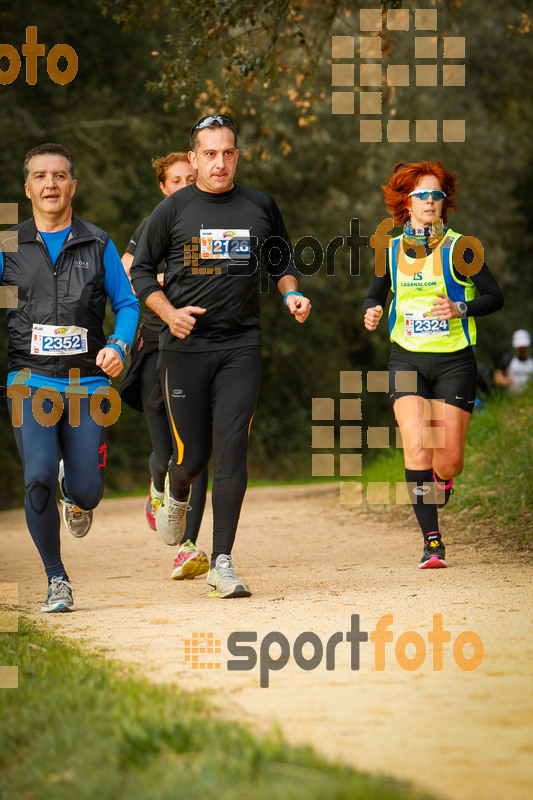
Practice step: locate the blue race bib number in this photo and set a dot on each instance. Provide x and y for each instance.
(225, 243)
(51, 340)
(419, 323)
(52, 343)
(430, 325)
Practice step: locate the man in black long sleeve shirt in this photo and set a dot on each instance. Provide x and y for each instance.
(214, 237)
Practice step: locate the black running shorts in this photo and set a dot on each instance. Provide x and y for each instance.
(436, 376)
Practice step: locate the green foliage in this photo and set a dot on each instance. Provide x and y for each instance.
(251, 43)
(81, 727)
(227, 50)
(292, 147)
(496, 485)
(104, 116)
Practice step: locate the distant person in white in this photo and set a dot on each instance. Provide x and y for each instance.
(516, 367)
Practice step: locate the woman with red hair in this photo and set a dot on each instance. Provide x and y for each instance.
(433, 273)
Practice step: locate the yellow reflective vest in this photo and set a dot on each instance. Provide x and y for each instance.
(415, 283)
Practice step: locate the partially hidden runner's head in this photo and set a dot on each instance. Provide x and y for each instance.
(173, 172)
(214, 153)
(420, 192)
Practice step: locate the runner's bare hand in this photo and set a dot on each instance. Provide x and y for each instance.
(181, 321)
(299, 307)
(444, 308)
(372, 317)
(110, 361)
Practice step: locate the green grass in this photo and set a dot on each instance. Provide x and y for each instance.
(80, 727)
(495, 487)
(496, 484)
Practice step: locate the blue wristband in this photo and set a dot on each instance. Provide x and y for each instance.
(288, 293)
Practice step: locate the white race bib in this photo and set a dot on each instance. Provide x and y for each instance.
(225, 243)
(420, 323)
(54, 340)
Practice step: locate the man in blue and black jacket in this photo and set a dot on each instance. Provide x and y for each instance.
(59, 394)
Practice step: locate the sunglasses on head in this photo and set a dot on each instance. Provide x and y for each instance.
(423, 194)
(206, 122)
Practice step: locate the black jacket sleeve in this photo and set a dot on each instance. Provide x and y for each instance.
(378, 291)
(276, 253)
(151, 250)
(490, 295)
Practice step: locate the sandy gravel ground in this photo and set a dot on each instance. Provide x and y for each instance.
(312, 563)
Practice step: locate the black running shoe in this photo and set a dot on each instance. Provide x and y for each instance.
(434, 553)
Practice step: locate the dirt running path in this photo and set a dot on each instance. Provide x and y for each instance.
(312, 563)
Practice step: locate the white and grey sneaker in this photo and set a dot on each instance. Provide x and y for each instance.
(223, 582)
(170, 518)
(59, 597)
(76, 519)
